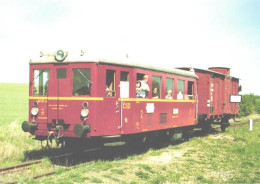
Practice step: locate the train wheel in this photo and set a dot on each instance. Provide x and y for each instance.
(136, 141)
(206, 128)
(44, 144)
(187, 133)
(224, 124)
(175, 135)
(223, 127)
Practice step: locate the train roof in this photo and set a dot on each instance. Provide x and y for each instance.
(209, 71)
(80, 58)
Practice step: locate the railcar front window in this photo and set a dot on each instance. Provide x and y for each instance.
(61, 73)
(81, 81)
(40, 81)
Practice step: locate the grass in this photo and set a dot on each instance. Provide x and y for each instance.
(230, 157)
(13, 103)
(13, 111)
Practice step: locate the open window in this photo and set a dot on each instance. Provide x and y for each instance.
(124, 84)
(40, 81)
(111, 83)
(142, 87)
(190, 90)
(156, 93)
(81, 81)
(169, 89)
(180, 89)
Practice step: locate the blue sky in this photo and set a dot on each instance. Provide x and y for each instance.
(201, 33)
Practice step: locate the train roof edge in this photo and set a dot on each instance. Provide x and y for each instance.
(210, 71)
(50, 59)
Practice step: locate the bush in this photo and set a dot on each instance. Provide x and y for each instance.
(250, 104)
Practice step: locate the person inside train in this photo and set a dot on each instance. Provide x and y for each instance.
(180, 95)
(155, 93)
(138, 89)
(144, 87)
(108, 90)
(169, 94)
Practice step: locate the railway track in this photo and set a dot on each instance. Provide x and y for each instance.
(28, 165)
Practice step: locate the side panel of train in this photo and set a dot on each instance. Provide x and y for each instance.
(214, 88)
(60, 91)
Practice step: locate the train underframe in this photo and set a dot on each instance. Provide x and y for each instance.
(158, 137)
(222, 120)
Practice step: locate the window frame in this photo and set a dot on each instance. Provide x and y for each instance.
(124, 84)
(183, 89)
(60, 75)
(190, 96)
(139, 77)
(172, 87)
(113, 83)
(159, 91)
(73, 78)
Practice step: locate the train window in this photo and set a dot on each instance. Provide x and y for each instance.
(156, 87)
(124, 76)
(61, 73)
(142, 88)
(111, 83)
(124, 84)
(180, 89)
(81, 81)
(40, 82)
(169, 88)
(190, 90)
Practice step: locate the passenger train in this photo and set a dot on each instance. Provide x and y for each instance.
(77, 99)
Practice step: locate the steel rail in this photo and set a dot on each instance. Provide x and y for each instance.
(14, 168)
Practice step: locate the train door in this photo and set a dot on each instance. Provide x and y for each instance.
(112, 104)
(59, 89)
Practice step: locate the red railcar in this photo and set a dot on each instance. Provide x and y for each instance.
(214, 88)
(73, 97)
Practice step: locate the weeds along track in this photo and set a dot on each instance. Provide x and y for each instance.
(14, 168)
(233, 125)
(26, 166)
(20, 168)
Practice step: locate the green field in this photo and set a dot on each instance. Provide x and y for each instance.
(13, 103)
(13, 111)
(230, 157)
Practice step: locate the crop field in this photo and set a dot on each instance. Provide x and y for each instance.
(230, 157)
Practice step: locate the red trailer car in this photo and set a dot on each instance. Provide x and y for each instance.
(73, 98)
(214, 88)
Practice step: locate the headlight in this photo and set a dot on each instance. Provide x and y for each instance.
(34, 111)
(84, 113)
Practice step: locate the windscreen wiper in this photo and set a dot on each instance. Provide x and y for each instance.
(89, 82)
(36, 77)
